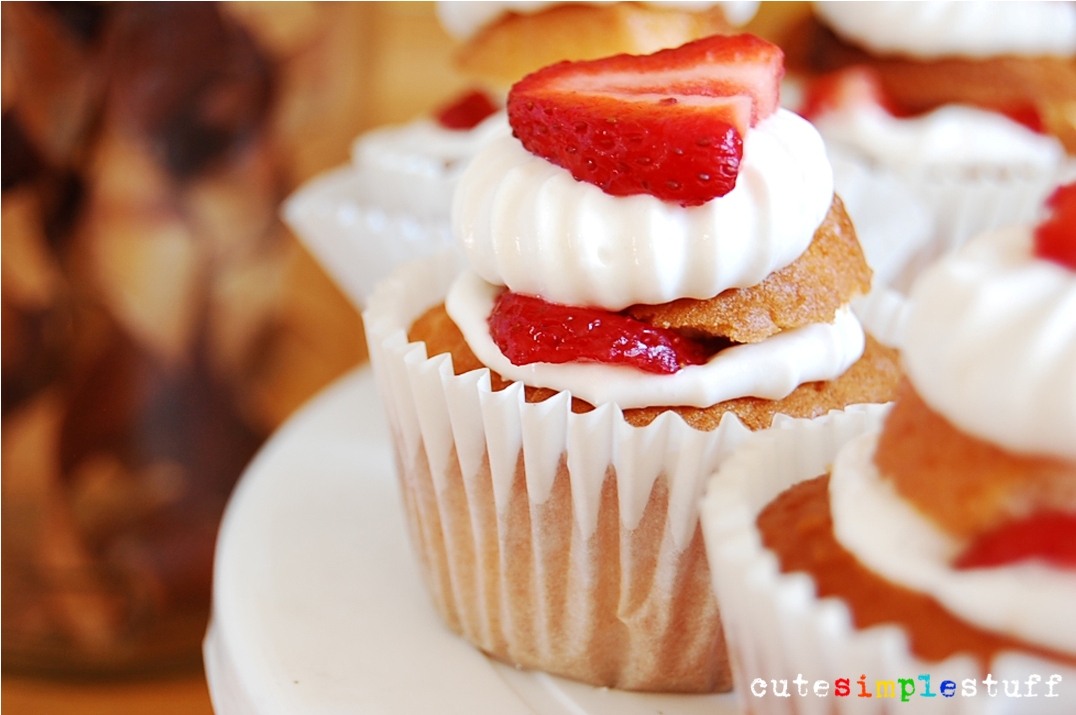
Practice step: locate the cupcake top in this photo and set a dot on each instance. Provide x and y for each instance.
(463, 20)
(646, 180)
(932, 30)
(991, 354)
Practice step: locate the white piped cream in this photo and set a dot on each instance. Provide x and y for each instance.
(526, 223)
(990, 343)
(930, 30)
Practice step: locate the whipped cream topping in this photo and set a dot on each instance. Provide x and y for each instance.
(526, 223)
(770, 369)
(463, 20)
(893, 539)
(929, 30)
(990, 343)
(952, 136)
(419, 164)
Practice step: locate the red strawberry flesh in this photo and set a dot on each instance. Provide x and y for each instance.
(467, 111)
(850, 87)
(1055, 238)
(529, 330)
(1049, 536)
(670, 124)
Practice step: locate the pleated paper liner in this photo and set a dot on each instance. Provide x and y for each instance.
(563, 542)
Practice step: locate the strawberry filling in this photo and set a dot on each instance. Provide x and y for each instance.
(670, 124)
(467, 111)
(529, 330)
(1050, 536)
(1055, 238)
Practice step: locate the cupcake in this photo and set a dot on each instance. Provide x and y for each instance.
(963, 107)
(500, 42)
(937, 553)
(656, 267)
(1016, 59)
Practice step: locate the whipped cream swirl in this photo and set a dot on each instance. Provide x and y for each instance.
(526, 223)
(930, 30)
(991, 344)
(415, 167)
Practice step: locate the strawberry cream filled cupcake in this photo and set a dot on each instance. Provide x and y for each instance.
(500, 42)
(965, 107)
(938, 556)
(657, 266)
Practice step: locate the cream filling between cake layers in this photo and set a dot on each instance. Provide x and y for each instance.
(931, 30)
(770, 369)
(991, 344)
(526, 223)
(888, 535)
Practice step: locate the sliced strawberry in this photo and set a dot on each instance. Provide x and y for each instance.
(1050, 536)
(850, 87)
(1055, 238)
(670, 124)
(529, 330)
(466, 111)
(1026, 114)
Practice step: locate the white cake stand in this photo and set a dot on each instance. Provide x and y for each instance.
(318, 607)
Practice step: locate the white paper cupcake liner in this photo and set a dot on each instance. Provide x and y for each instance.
(557, 541)
(776, 628)
(355, 235)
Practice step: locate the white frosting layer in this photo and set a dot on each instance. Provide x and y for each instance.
(526, 223)
(463, 20)
(1030, 600)
(952, 136)
(991, 344)
(415, 167)
(929, 30)
(770, 369)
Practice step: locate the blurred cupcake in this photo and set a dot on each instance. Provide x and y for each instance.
(557, 405)
(391, 203)
(937, 556)
(500, 42)
(963, 106)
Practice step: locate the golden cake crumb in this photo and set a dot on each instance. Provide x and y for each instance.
(829, 274)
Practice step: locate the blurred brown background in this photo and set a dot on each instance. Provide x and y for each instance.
(158, 319)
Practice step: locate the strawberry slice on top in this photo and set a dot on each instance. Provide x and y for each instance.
(670, 124)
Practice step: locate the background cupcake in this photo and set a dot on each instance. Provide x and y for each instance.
(943, 543)
(966, 108)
